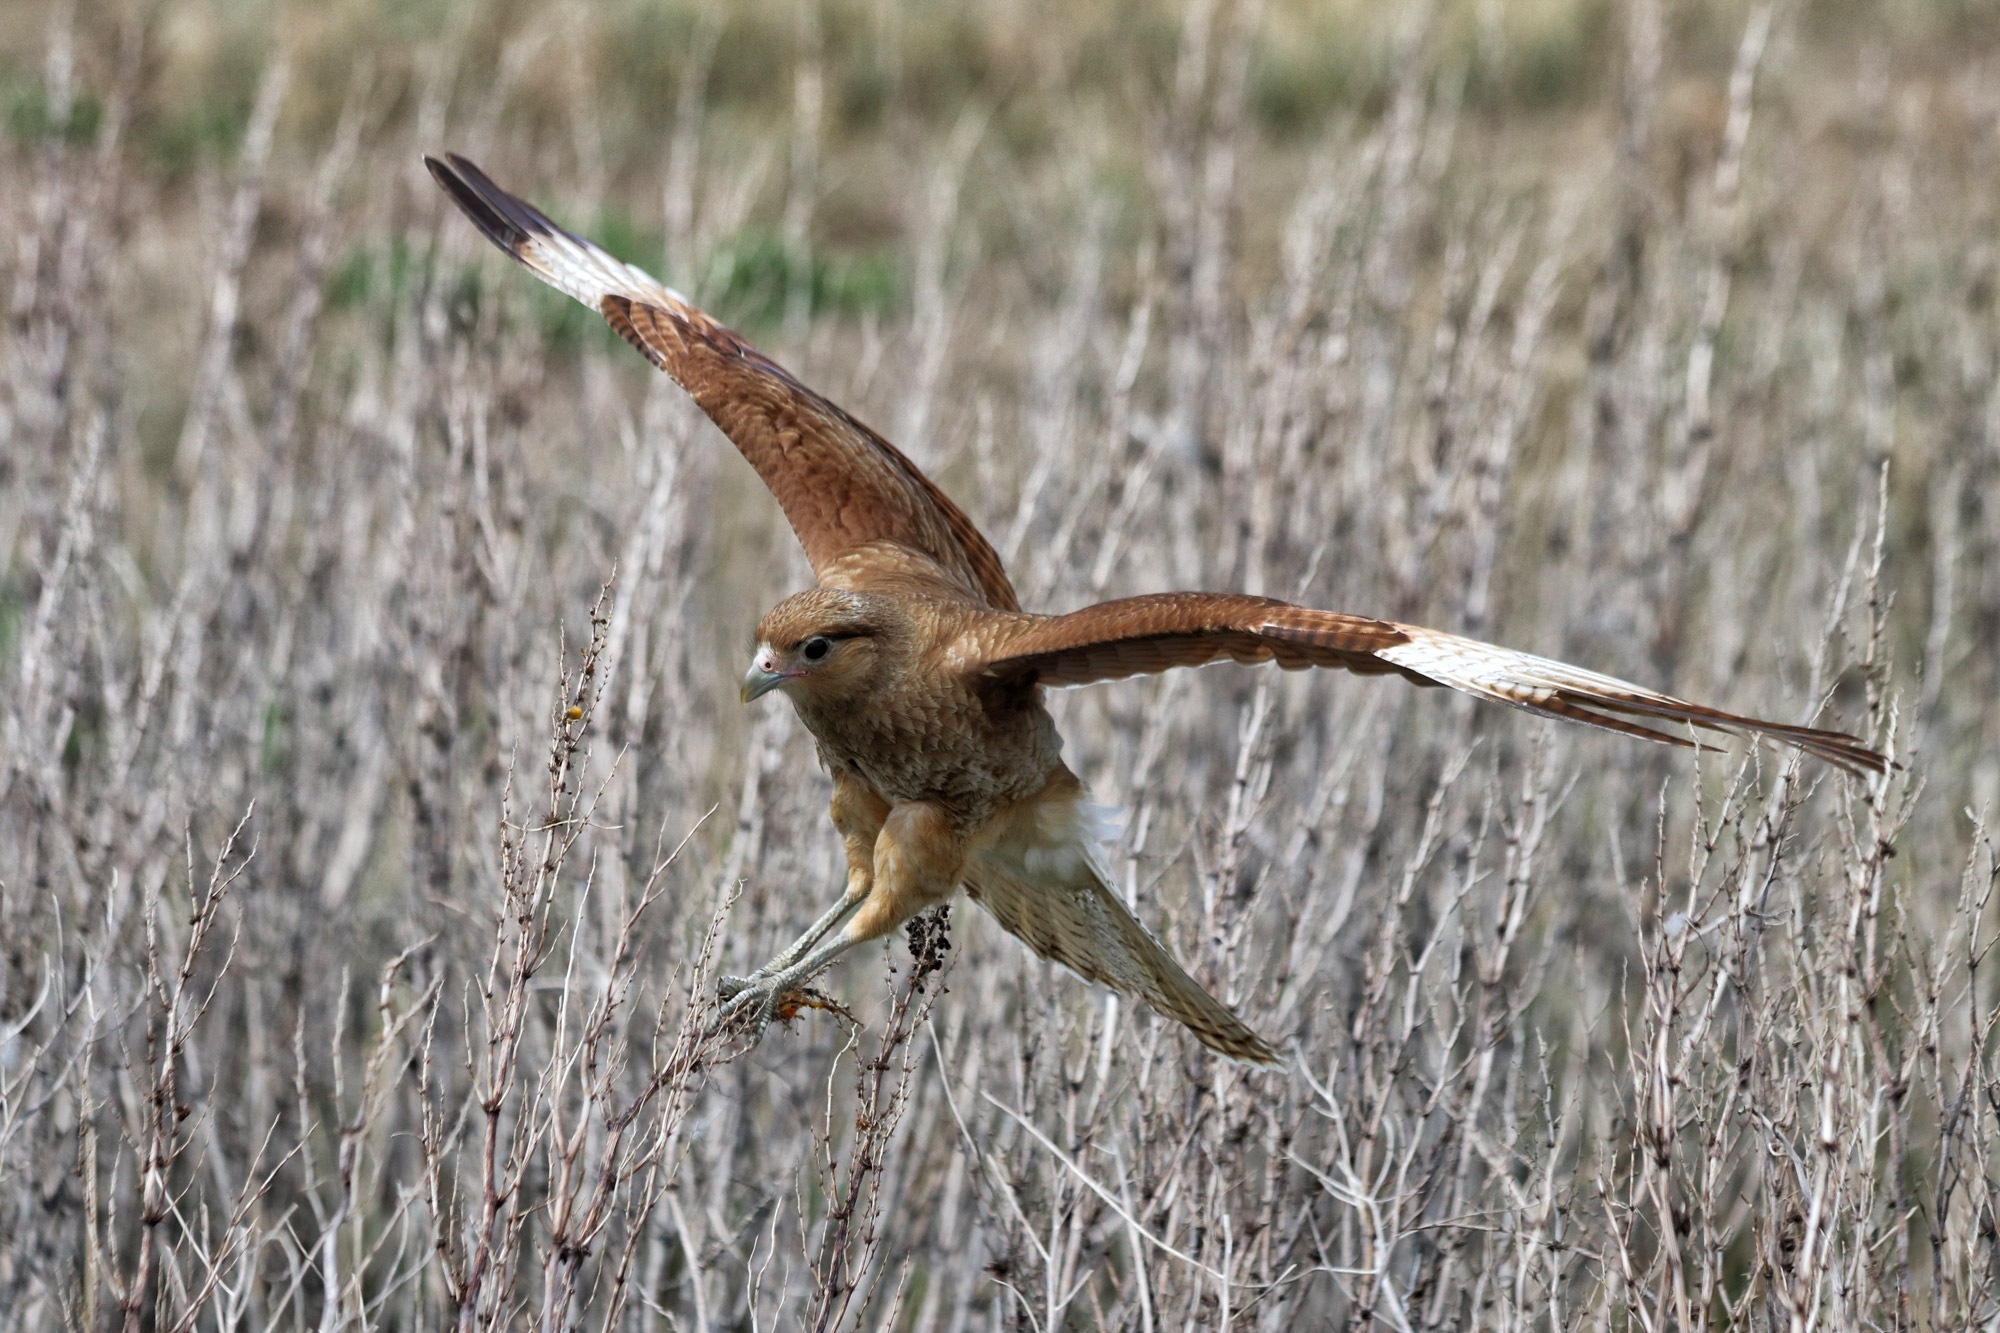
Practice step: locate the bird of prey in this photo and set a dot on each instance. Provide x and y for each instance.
(921, 678)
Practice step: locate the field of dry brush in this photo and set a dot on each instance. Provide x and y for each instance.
(376, 811)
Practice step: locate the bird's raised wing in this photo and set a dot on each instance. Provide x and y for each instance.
(847, 492)
(1147, 634)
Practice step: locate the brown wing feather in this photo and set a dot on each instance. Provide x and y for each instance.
(1140, 635)
(844, 489)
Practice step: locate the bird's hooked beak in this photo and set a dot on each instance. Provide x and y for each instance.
(763, 676)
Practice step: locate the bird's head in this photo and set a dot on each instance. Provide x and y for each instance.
(824, 645)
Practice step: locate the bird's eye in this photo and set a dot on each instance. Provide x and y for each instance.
(817, 647)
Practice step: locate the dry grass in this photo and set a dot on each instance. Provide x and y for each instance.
(375, 810)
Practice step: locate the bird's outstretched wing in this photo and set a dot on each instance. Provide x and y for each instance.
(1139, 635)
(857, 504)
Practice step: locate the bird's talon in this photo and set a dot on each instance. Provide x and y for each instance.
(754, 1003)
(741, 1000)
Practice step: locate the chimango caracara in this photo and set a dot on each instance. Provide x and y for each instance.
(921, 677)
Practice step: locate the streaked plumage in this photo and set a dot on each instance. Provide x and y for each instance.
(921, 678)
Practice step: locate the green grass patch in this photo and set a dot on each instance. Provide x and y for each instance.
(31, 119)
(211, 129)
(752, 277)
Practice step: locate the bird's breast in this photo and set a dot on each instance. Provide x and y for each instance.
(942, 745)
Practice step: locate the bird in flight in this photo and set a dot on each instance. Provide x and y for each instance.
(921, 678)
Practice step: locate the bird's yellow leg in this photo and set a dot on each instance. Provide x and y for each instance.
(858, 812)
(919, 858)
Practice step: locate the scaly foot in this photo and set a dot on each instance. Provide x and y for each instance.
(776, 993)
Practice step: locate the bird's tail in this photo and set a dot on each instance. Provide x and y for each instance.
(1076, 920)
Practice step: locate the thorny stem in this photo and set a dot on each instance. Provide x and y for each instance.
(879, 1105)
